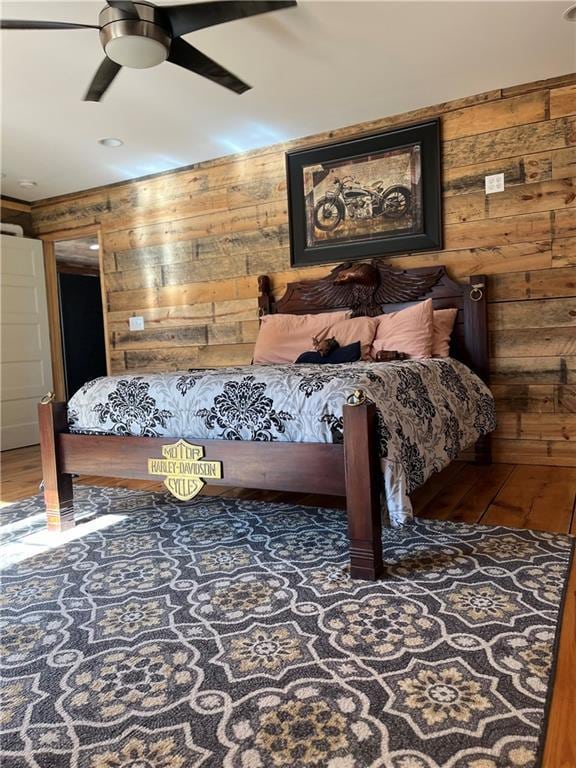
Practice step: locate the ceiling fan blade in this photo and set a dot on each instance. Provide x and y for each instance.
(13, 24)
(101, 81)
(127, 6)
(185, 55)
(187, 18)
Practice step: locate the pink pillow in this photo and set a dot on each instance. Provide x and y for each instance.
(408, 330)
(283, 338)
(362, 329)
(443, 320)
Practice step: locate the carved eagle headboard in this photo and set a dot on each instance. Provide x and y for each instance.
(373, 288)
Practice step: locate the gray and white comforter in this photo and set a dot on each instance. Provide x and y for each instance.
(427, 410)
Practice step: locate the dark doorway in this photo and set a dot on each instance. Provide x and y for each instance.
(82, 329)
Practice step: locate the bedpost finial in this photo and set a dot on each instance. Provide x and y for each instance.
(263, 283)
(476, 291)
(49, 397)
(356, 398)
(264, 295)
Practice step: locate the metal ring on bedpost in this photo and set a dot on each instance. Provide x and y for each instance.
(476, 292)
(356, 398)
(49, 397)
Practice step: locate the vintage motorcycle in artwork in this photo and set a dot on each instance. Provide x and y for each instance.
(349, 198)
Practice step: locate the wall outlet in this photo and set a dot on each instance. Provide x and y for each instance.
(494, 183)
(136, 323)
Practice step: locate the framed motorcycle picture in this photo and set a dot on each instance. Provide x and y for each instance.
(371, 196)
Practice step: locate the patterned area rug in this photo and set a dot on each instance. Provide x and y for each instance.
(227, 633)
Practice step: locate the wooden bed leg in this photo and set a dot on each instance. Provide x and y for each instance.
(483, 450)
(363, 491)
(58, 493)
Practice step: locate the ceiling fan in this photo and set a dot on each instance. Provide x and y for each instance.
(140, 34)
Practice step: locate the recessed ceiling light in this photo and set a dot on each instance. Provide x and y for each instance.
(570, 13)
(94, 247)
(110, 142)
(26, 184)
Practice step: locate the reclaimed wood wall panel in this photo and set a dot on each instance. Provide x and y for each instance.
(184, 249)
(17, 212)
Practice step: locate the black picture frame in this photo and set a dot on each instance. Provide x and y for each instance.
(426, 231)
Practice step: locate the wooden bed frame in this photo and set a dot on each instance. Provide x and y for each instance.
(350, 469)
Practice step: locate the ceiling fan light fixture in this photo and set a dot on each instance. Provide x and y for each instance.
(138, 42)
(136, 51)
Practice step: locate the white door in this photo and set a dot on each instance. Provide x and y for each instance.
(25, 362)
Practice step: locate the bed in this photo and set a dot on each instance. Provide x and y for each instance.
(370, 431)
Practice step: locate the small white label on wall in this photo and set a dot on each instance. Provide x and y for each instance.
(494, 183)
(136, 323)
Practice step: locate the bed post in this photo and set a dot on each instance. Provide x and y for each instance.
(476, 335)
(58, 493)
(264, 295)
(362, 488)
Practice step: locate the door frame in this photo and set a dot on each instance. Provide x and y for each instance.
(53, 299)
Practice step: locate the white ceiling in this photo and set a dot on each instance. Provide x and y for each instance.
(318, 66)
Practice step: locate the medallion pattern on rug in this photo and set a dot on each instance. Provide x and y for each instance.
(228, 633)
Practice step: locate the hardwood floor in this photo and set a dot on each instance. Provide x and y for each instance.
(538, 497)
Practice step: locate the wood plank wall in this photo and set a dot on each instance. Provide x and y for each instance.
(17, 212)
(184, 250)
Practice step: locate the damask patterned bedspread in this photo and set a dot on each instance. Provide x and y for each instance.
(427, 410)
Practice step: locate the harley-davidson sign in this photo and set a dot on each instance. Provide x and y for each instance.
(184, 469)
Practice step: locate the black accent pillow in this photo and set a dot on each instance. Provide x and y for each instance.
(348, 354)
